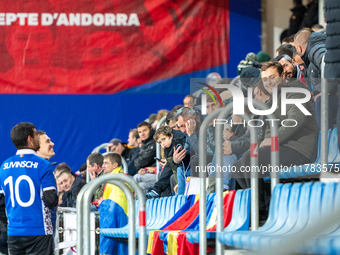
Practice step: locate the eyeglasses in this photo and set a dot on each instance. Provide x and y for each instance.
(181, 126)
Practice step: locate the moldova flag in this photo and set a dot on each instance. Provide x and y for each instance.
(113, 212)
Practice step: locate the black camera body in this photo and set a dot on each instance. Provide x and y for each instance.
(180, 145)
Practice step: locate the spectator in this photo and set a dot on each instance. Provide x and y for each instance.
(29, 222)
(160, 115)
(311, 15)
(188, 121)
(242, 143)
(318, 28)
(297, 144)
(230, 159)
(145, 178)
(113, 209)
(133, 138)
(298, 13)
(298, 60)
(311, 47)
(152, 118)
(61, 192)
(112, 164)
(133, 142)
(148, 149)
(288, 39)
(238, 130)
(177, 107)
(61, 195)
(82, 170)
(249, 61)
(173, 143)
(171, 119)
(285, 49)
(46, 146)
(69, 184)
(94, 164)
(290, 70)
(262, 58)
(117, 146)
(332, 58)
(189, 101)
(250, 76)
(46, 151)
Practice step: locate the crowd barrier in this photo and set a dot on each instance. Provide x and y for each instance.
(83, 212)
(222, 114)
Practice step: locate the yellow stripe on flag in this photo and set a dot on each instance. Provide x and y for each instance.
(116, 194)
(172, 243)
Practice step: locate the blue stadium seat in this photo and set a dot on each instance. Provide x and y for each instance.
(333, 150)
(298, 203)
(233, 238)
(323, 243)
(159, 211)
(239, 221)
(292, 209)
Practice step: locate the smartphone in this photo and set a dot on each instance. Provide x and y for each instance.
(158, 159)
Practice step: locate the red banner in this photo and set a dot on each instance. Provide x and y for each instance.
(105, 46)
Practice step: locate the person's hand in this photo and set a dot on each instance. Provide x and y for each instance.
(176, 189)
(178, 155)
(142, 171)
(162, 162)
(266, 142)
(227, 148)
(93, 175)
(190, 127)
(227, 134)
(318, 95)
(60, 198)
(150, 170)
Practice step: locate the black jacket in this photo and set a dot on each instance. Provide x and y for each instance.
(127, 153)
(147, 153)
(311, 15)
(178, 139)
(131, 164)
(296, 19)
(3, 225)
(71, 195)
(332, 58)
(304, 136)
(240, 141)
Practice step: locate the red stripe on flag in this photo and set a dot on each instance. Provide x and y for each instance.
(253, 150)
(275, 144)
(142, 218)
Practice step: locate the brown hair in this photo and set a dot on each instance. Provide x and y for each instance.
(144, 123)
(274, 64)
(166, 130)
(134, 133)
(114, 158)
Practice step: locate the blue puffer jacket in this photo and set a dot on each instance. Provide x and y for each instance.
(332, 58)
